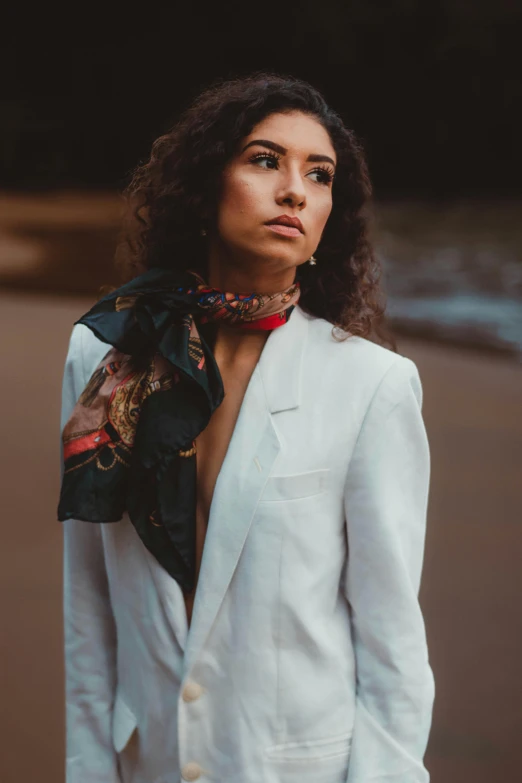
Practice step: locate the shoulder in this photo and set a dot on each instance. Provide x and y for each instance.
(85, 352)
(360, 365)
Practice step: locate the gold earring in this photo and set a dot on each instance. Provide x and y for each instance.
(312, 260)
(203, 232)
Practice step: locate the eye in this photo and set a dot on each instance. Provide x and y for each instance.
(323, 176)
(265, 160)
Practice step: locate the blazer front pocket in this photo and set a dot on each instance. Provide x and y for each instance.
(296, 485)
(312, 750)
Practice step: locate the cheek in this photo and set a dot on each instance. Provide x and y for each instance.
(239, 198)
(322, 213)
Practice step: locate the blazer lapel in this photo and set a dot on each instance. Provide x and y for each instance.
(275, 385)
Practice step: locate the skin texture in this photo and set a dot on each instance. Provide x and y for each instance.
(244, 253)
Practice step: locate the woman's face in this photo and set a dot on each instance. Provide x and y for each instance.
(282, 171)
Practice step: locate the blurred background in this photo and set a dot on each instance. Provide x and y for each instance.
(434, 90)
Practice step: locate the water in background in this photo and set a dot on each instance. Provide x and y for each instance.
(452, 272)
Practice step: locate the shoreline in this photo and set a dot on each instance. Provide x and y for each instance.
(452, 275)
(400, 331)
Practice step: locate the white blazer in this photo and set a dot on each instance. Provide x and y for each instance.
(306, 658)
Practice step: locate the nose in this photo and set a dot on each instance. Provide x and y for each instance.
(292, 191)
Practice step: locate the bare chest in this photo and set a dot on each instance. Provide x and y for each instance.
(211, 448)
(212, 444)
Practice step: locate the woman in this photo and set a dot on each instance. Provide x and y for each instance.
(291, 648)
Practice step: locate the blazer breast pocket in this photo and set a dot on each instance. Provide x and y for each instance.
(296, 485)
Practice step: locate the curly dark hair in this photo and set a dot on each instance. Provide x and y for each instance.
(177, 189)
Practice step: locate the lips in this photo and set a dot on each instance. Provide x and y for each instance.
(286, 220)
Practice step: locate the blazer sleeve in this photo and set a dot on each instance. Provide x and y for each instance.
(385, 502)
(89, 630)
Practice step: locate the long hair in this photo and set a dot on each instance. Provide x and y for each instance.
(171, 195)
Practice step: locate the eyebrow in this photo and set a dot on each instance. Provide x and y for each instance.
(271, 145)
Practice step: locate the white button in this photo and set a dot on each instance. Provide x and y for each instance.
(192, 691)
(191, 771)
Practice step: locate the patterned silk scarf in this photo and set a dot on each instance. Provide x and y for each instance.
(129, 443)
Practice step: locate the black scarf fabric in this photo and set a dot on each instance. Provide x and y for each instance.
(129, 444)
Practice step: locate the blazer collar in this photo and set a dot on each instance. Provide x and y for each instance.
(281, 362)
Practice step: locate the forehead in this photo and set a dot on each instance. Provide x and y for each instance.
(299, 133)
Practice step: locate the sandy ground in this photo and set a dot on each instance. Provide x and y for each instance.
(472, 582)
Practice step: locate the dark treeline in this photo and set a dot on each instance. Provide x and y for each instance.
(434, 89)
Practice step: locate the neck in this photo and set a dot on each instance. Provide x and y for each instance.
(229, 272)
(234, 345)
(238, 345)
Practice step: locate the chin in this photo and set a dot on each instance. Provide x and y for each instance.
(284, 254)
(273, 256)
